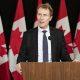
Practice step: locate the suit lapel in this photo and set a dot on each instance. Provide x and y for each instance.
(53, 43)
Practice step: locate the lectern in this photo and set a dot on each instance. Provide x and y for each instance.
(50, 70)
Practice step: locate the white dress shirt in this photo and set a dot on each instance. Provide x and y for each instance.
(40, 45)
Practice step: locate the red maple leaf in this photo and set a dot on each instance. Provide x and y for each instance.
(69, 48)
(2, 42)
(77, 39)
(68, 38)
(2, 39)
(15, 42)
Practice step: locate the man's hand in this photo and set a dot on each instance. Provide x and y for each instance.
(18, 67)
(76, 60)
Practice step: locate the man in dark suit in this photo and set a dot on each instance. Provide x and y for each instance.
(44, 43)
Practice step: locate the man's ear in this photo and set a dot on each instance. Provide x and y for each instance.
(51, 18)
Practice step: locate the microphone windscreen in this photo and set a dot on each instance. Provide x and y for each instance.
(49, 37)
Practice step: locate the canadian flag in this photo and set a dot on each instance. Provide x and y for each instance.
(63, 24)
(36, 22)
(77, 41)
(19, 26)
(4, 64)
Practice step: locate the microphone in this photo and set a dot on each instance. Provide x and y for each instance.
(49, 37)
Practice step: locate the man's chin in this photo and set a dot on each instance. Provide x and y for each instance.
(42, 27)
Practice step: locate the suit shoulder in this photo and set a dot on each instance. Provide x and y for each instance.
(57, 30)
(30, 31)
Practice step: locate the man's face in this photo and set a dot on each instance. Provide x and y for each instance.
(43, 17)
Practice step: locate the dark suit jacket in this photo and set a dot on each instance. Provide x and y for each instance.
(29, 46)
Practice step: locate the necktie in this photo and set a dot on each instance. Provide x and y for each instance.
(45, 47)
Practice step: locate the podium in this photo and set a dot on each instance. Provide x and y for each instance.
(50, 70)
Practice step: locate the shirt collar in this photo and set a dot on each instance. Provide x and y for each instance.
(40, 29)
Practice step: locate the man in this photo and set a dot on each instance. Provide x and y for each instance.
(43, 44)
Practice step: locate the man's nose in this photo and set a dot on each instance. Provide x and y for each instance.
(41, 17)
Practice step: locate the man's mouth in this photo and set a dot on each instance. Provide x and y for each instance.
(41, 22)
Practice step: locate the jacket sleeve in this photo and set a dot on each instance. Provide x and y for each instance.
(23, 50)
(64, 53)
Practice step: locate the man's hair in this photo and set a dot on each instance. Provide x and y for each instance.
(46, 6)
